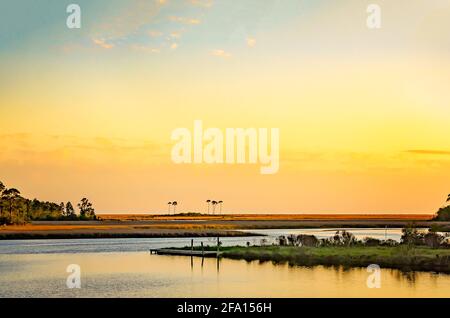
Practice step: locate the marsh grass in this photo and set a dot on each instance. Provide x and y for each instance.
(399, 257)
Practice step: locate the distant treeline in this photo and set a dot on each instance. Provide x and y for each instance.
(444, 213)
(15, 209)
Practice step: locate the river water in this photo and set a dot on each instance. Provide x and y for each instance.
(125, 268)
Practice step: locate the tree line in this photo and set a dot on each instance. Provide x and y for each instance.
(444, 212)
(15, 209)
(172, 205)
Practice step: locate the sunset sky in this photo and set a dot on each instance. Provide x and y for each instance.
(364, 114)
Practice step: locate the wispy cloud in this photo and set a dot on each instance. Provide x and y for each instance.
(175, 35)
(220, 53)
(58, 149)
(251, 42)
(144, 48)
(428, 152)
(141, 18)
(184, 20)
(202, 3)
(155, 34)
(137, 14)
(102, 43)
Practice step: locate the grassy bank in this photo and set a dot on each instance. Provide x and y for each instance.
(399, 257)
(90, 234)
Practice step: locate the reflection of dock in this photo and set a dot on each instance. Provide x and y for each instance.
(170, 251)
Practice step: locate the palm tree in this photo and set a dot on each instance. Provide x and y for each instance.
(448, 198)
(214, 206)
(220, 206)
(208, 202)
(169, 204)
(174, 204)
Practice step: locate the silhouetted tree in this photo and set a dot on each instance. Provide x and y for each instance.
(86, 209)
(174, 204)
(70, 211)
(208, 202)
(2, 188)
(11, 196)
(433, 239)
(410, 235)
(443, 214)
(22, 210)
(220, 206)
(62, 208)
(214, 203)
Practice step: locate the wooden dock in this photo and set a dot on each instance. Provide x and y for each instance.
(189, 252)
(180, 252)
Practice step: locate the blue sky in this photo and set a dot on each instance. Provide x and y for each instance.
(97, 105)
(38, 25)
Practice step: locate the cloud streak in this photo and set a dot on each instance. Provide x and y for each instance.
(201, 3)
(102, 43)
(251, 42)
(184, 20)
(146, 49)
(221, 53)
(136, 15)
(63, 148)
(428, 152)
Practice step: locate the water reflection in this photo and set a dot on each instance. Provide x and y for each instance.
(145, 275)
(202, 261)
(139, 274)
(409, 277)
(144, 244)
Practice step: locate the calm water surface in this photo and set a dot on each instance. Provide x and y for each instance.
(124, 268)
(360, 233)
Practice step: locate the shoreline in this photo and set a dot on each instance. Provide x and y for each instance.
(199, 226)
(102, 235)
(416, 259)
